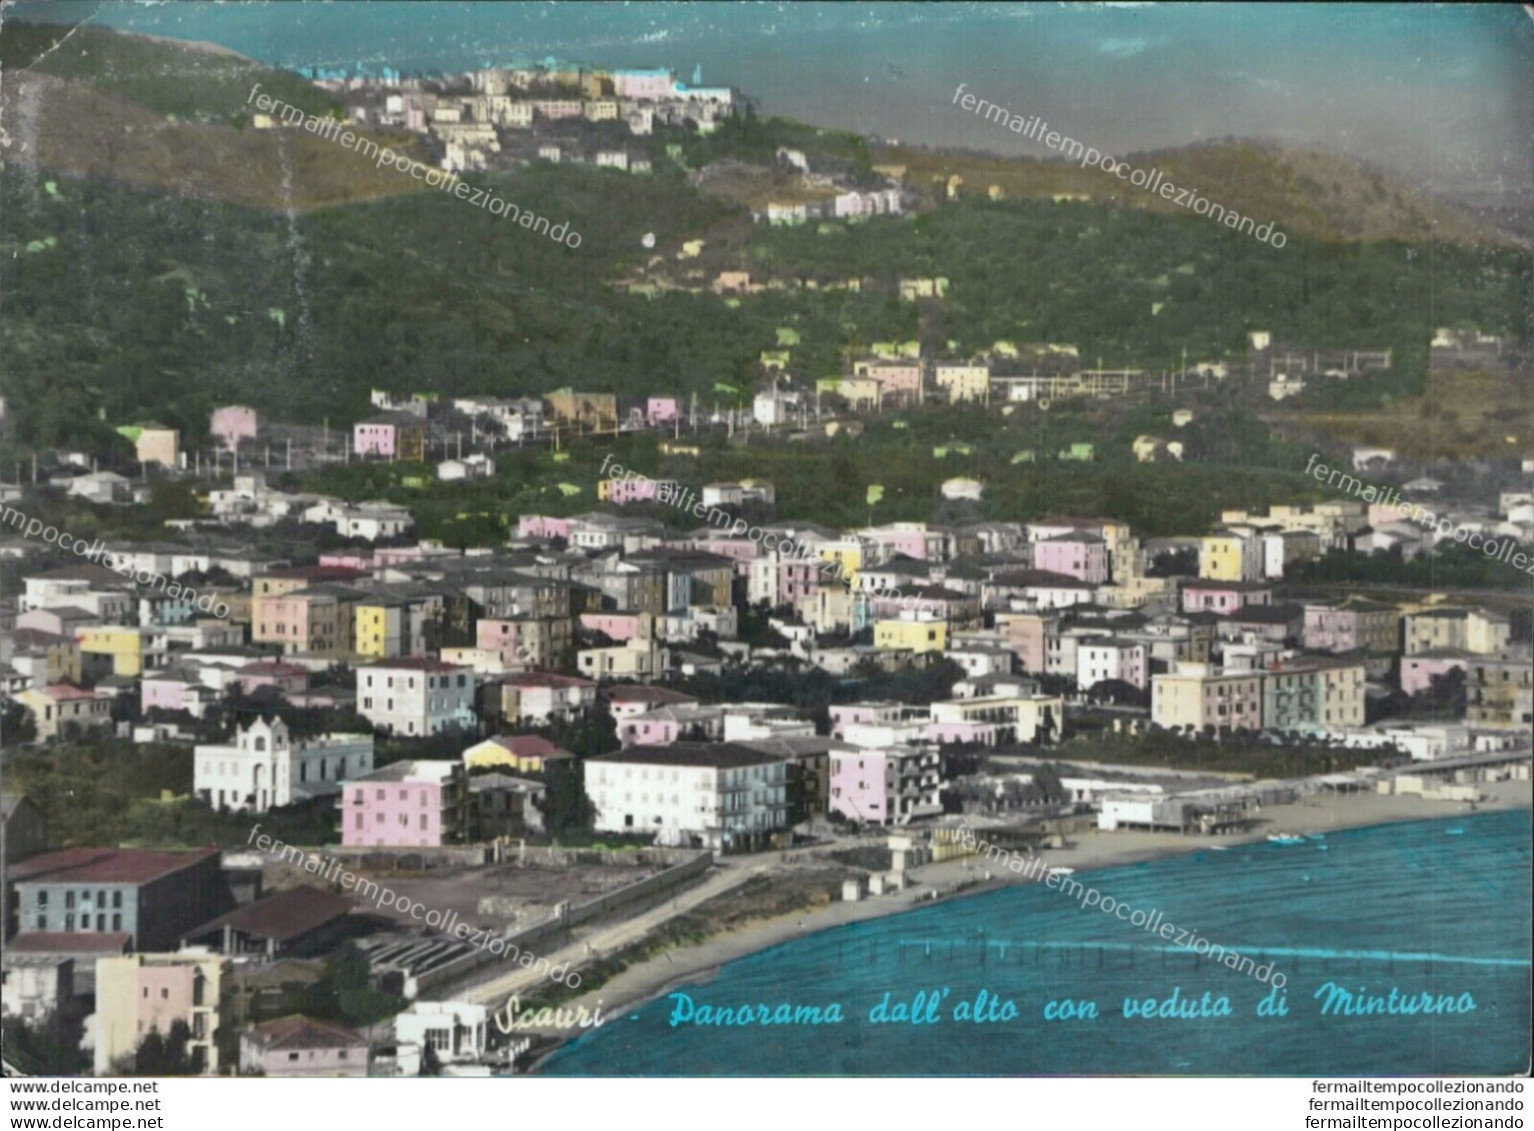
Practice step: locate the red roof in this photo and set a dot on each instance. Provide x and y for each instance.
(299, 1032)
(70, 942)
(527, 745)
(285, 916)
(318, 573)
(66, 691)
(105, 865)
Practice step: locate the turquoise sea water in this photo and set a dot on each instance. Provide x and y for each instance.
(1434, 90)
(1437, 906)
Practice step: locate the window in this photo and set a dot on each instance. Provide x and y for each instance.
(423, 822)
(69, 899)
(117, 922)
(42, 898)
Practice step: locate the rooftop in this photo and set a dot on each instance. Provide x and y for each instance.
(105, 865)
(286, 916)
(720, 755)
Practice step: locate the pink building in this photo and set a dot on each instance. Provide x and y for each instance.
(233, 424)
(663, 726)
(417, 804)
(911, 539)
(1417, 671)
(1082, 556)
(742, 551)
(1027, 635)
(881, 787)
(619, 626)
(899, 381)
(625, 702)
(796, 581)
(167, 691)
(301, 1046)
(542, 526)
(395, 434)
(1224, 596)
(662, 410)
(513, 641)
(643, 85)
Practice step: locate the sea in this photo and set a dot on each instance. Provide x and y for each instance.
(1439, 907)
(1428, 90)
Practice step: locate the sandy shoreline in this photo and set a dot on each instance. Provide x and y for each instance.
(1092, 851)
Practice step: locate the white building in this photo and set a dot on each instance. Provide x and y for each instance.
(1107, 657)
(416, 696)
(477, 466)
(456, 1031)
(264, 769)
(711, 794)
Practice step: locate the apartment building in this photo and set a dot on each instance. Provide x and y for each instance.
(889, 786)
(1466, 630)
(1310, 695)
(718, 795)
(415, 804)
(1203, 696)
(140, 993)
(416, 696)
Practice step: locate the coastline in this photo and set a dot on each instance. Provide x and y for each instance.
(965, 876)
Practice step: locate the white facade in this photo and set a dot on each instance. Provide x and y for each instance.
(455, 1030)
(720, 795)
(264, 769)
(418, 697)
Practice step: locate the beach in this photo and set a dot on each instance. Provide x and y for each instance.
(970, 875)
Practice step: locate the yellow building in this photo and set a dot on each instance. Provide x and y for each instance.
(847, 555)
(918, 636)
(59, 707)
(122, 643)
(1202, 695)
(158, 444)
(963, 382)
(137, 993)
(518, 753)
(381, 626)
(1025, 718)
(1229, 557)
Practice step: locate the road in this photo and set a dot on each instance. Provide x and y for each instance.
(726, 875)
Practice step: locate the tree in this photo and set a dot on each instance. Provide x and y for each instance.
(164, 1056)
(17, 726)
(566, 808)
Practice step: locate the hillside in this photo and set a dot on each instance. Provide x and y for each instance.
(159, 267)
(195, 82)
(78, 130)
(1303, 192)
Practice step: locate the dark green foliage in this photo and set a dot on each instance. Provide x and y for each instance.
(47, 1048)
(108, 792)
(345, 994)
(1450, 566)
(166, 1055)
